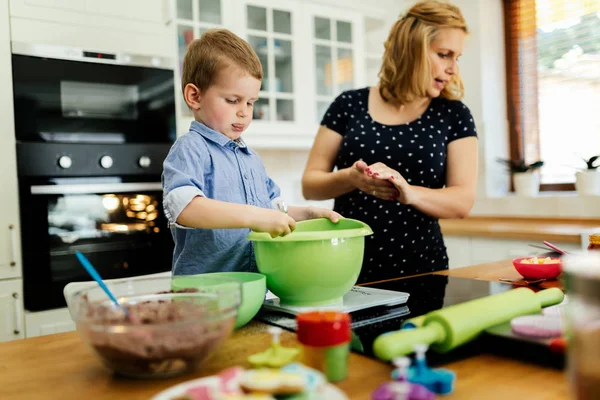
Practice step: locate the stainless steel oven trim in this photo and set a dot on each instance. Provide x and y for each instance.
(96, 188)
(77, 54)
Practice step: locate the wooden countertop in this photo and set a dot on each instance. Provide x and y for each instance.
(61, 367)
(558, 230)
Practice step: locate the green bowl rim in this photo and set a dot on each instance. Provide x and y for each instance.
(364, 230)
(227, 275)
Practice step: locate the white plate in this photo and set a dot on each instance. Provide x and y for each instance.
(330, 392)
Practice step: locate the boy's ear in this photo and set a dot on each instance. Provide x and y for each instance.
(192, 96)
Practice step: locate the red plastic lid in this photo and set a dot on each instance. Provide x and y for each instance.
(323, 328)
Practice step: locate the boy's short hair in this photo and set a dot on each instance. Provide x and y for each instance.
(215, 50)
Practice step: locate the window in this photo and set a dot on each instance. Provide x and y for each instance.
(553, 76)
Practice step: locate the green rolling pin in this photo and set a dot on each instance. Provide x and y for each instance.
(453, 326)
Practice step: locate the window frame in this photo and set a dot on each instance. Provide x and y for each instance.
(523, 146)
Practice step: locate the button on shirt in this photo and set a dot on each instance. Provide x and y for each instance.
(206, 163)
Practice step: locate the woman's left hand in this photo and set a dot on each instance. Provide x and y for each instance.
(381, 171)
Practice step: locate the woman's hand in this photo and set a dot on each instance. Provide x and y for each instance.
(384, 173)
(371, 184)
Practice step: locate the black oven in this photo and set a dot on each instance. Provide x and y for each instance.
(92, 132)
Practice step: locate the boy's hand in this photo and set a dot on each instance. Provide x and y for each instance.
(304, 213)
(275, 223)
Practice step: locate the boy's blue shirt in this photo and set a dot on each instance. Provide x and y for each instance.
(206, 163)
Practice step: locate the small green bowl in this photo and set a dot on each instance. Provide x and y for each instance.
(254, 289)
(316, 264)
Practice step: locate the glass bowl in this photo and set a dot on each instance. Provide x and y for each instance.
(163, 333)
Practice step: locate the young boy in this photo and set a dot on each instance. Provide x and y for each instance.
(215, 188)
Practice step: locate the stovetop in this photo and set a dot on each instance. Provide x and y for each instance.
(427, 293)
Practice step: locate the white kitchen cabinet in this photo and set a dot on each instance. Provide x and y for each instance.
(10, 247)
(339, 52)
(493, 249)
(309, 52)
(191, 19)
(459, 251)
(135, 12)
(132, 26)
(376, 32)
(11, 310)
(326, 47)
(153, 11)
(48, 322)
(464, 251)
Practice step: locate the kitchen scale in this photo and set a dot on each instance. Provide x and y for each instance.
(358, 298)
(367, 306)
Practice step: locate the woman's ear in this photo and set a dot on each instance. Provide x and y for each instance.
(192, 96)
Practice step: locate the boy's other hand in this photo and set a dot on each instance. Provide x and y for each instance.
(275, 223)
(316, 212)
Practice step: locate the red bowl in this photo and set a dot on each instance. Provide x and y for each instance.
(537, 271)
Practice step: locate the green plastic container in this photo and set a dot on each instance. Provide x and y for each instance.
(254, 289)
(316, 264)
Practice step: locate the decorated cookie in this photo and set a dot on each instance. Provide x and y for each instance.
(271, 381)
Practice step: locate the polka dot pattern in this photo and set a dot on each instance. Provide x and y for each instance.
(405, 240)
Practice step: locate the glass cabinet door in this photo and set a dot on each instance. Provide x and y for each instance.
(334, 59)
(193, 18)
(270, 33)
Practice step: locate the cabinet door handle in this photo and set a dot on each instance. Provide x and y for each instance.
(13, 245)
(18, 328)
(168, 11)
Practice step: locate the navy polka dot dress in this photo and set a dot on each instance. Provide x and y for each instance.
(405, 240)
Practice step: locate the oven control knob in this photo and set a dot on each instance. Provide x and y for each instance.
(65, 162)
(106, 162)
(144, 161)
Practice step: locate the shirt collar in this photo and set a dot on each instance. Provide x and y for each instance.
(218, 137)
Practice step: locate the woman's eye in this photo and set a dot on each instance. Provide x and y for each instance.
(231, 101)
(251, 104)
(442, 55)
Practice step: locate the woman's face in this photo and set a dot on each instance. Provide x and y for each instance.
(444, 53)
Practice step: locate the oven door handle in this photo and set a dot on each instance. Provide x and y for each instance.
(88, 188)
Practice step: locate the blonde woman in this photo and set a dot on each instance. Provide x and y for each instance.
(402, 154)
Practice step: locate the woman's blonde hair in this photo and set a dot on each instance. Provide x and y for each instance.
(405, 72)
(216, 50)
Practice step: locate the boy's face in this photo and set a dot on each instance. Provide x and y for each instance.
(226, 106)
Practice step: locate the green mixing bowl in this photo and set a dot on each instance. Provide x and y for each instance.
(254, 289)
(316, 264)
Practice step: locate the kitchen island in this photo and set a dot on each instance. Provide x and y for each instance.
(61, 367)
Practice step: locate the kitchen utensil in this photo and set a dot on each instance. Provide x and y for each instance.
(95, 276)
(521, 281)
(555, 248)
(316, 264)
(534, 271)
(453, 326)
(254, 288)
